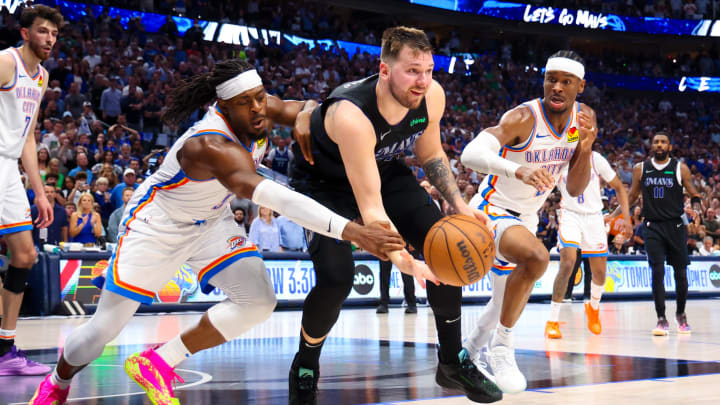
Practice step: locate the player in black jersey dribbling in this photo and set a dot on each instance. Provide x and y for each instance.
(661, 179)
(352, 162)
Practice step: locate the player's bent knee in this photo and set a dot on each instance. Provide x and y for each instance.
(537, 260)
(25, 258)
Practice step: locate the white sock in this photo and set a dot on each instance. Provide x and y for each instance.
(503, 336)
(7, 334)
(55, 379)
(173, 352)
(555, 311)
(595, 295)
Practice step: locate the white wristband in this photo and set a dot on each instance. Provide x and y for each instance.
(302, 210)
(482, 154)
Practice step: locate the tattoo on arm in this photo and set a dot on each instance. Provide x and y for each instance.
(330, 112)
(440, 176)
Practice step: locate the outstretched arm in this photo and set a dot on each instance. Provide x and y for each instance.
(214, 156)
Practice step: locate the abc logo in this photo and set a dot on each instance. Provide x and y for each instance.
(364, 280)
(715, 275)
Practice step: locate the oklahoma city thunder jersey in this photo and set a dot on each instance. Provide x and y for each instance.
(184, 199)
(590, 201)
(545, 148)
(19, 100)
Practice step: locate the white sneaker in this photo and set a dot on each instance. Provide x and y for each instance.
(502, 365)
(480, 360)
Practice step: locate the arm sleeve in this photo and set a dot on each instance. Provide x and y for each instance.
(300, 209)
(482, 154)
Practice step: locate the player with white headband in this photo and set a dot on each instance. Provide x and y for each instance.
(181, 214)
(523, 156)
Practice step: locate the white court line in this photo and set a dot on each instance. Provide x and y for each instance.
(204, 378)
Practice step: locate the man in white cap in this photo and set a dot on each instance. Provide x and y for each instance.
(128, 181)
(524, 156)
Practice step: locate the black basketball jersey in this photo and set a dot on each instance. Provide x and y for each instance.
(661, 192)
(392, 140)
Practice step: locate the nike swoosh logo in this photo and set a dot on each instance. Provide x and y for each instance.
(382, 136)
(541, 136)
(21, 76)
(650, 171)
(679, 225)
(453, 320)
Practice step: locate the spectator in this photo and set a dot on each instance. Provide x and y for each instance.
(264, 231)
(116, 216)
(707, 247)
(239, 214)
(110, 102)
(57, 231)
(712, 226)
(85, 223)
(74, 100)
(117, 191)
(279, 157)
(70, 208)
(43, 156)
(292, 235)
(131, 106)
(82, 166)
(102, 198)
(618, 245)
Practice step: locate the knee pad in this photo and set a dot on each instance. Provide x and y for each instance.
(16, 279)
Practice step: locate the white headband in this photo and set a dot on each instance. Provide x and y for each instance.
(566, 65)
(239, 84)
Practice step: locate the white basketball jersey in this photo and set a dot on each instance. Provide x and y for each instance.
(19, 100)
(545, 148)
(184, 199)
(590, 201)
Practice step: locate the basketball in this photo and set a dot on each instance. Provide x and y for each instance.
(459, 249)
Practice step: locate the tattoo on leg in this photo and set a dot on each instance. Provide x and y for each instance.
(440, 176)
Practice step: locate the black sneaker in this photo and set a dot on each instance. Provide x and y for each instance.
(382, 309)
(303, 385)
(466, 377)
(411, 309)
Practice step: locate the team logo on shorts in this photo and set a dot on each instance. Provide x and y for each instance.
(573, 135)
(235, 242)
(27, 214)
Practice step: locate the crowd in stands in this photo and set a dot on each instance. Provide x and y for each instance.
(99, 131)
(682, 9)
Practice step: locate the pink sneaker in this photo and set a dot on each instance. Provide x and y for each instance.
(49, 394)
(155, 376)
(15, 362)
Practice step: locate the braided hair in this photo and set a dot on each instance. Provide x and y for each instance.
(199, 90)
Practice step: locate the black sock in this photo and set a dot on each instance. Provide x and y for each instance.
(6, 345)
(450, 338)
(309, 354)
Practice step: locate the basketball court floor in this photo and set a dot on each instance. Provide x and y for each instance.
(390, 359)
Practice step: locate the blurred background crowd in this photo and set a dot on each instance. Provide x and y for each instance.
(99, 131)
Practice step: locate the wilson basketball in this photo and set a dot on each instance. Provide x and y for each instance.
(459, 250)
